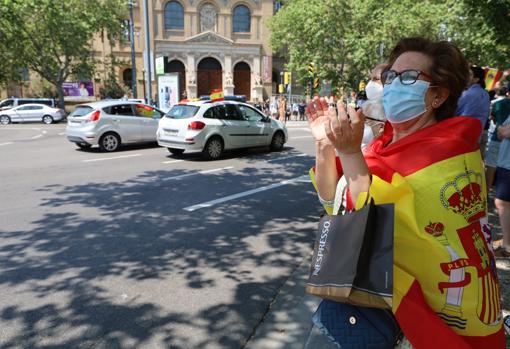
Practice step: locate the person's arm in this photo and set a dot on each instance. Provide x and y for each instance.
(326, 173)
(504, 132)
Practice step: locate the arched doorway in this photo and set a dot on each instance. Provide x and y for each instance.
(242, 80)
(209, 76)
(176, 66)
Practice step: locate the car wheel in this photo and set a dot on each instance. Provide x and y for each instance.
(5, 120)
(84, 146)
(109, 142)
(213, 149)
(47, 119)
(175, 151)
(278, 141)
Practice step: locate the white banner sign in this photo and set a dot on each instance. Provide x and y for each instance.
(168, 91)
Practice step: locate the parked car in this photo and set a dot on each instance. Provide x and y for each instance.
(15, 102)
(31, 112)
(212, 127)
(111, 123)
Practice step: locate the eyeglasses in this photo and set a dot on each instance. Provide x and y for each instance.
(407, 77)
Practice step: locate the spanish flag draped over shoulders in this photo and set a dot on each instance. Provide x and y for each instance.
(446, 292)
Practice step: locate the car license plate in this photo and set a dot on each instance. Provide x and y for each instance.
(171, 132)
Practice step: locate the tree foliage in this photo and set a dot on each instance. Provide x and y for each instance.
(54, 37)
(111, 87)
(344, 38)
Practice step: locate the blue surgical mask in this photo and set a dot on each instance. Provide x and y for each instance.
(404, 102)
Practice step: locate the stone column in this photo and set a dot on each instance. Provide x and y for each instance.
(191, 75)
(228, 76)
(257, 93)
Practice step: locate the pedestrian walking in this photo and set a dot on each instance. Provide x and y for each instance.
(274, 108)
(502, 200)
(282, 109)
(427, 163)
(499, 113)
(295, 111)
(475, 102)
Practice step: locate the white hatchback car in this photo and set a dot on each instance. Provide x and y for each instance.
(32, 112)
(111, 123)
(212, 127)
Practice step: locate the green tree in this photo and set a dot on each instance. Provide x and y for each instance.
(10, 71)
(481, 29)
(344, 37)
(111, 87)
(54, 37)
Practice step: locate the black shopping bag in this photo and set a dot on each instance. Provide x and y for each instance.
(353, 257)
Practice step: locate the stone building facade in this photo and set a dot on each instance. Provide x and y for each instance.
(216, 44)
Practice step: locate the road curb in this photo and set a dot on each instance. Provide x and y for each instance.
(288, 323)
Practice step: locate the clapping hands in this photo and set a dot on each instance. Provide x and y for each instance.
(331, 122)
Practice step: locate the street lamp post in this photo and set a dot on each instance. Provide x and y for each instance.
(133, 57)
(148, 52)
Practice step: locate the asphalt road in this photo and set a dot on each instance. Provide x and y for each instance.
(139, 249)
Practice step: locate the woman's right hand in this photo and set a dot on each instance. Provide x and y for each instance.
(317, 115)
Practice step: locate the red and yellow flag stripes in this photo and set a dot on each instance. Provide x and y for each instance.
(217, 95)
(492, 76)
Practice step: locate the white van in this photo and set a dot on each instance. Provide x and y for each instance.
(16, 102)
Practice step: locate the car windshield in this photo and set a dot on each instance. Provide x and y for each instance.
(182, 111)
(6, 103)
(81, 110)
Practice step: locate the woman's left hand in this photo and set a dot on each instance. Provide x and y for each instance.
(344, 129)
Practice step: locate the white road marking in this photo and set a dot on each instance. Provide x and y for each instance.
(44, 132)
(304, 129)
(197, 173)
(301, 137)
(61, 133)
(287, 157)
(38, 136)
(172, 162)
(300, 179)
(6, 143)
(19, 128)
(112, 158)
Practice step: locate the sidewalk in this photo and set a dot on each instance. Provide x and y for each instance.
(293, 124)
(287, 324)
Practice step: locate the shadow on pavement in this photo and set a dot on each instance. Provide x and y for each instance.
(99, 252)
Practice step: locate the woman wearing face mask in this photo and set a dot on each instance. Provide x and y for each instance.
(373, 109)
(427, 163)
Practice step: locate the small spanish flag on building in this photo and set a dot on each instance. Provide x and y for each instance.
(217, 95)
(492, 76)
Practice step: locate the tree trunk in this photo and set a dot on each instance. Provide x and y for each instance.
(60, 92)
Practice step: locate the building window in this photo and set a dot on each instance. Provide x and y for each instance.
(242, 19)
(174, 15)
(127, 77)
